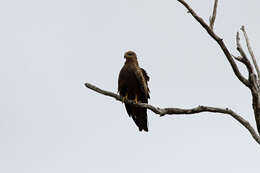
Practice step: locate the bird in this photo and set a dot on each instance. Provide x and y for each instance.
(133, 85)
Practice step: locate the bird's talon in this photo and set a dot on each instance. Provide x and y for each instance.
(125, 98)
(136, 99)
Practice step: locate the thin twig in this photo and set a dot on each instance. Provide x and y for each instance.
(170, 111)
(243, 57)
(213, 17)
(251, 52)
(219, 41)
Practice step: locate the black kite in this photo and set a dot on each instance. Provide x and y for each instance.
(132, 85)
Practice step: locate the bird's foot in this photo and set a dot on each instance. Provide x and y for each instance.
(125, 98)
(136, 99)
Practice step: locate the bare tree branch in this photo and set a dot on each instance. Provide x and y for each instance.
(251, 52)
(252, 83)
(213, 17)
(171, 111)
(219, 41)
(243, 57)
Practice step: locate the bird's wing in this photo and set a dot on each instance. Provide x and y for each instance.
(146, 77)
(141, 78)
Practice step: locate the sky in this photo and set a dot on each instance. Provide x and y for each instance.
(49, 121)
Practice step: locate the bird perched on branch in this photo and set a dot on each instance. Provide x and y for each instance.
(132, 85)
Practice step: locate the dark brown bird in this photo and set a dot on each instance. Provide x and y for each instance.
(132, 85)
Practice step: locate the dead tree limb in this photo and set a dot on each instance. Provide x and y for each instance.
(219, 41)
(175, 111)
(251, 51)
(253, 80)
(243, 58)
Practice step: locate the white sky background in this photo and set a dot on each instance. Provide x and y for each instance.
(49, 122)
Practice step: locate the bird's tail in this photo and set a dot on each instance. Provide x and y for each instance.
(141, 121)
(139, 116)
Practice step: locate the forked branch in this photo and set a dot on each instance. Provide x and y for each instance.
(243, 58)
(251, 51)
(253, 80)
(219, 41)
(177, 111)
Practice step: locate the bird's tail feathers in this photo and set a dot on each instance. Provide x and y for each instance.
(141, 122)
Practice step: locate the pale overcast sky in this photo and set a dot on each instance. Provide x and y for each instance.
(50, 123)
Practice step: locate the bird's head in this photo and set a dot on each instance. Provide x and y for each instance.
(130, 55)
